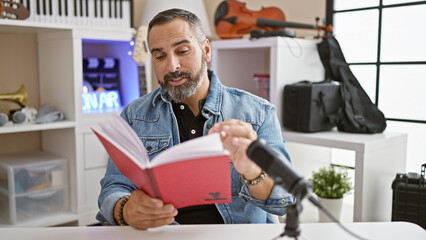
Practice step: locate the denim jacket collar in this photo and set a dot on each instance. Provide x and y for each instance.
(214, 99)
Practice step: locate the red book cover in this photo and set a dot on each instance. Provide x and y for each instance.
(195, 172)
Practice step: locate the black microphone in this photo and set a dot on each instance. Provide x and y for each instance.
(278, 168)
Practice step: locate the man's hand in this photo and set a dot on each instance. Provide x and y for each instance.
(236, 136)
(142, 211)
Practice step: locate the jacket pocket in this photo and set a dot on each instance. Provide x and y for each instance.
(155, 144)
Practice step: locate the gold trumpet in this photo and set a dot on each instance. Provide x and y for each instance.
(19, 97)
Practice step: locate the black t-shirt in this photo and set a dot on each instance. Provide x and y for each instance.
(190, 127)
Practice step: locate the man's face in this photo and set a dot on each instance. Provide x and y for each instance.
(180, 64)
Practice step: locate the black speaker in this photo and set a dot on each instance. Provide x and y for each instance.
(311, 106)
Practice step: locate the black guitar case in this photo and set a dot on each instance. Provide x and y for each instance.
(359, 114)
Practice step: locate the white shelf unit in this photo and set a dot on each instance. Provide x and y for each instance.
(291, 60)
(47, 59)
(286, 60)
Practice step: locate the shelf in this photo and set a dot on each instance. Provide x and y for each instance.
(358, 142)
(263, 43)
(7, 25)
(29, 127)
(47, 59)
(29, 27)
(286, 60)
(88, 32)
(60, 218)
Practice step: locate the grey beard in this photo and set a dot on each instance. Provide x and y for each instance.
(178, 93)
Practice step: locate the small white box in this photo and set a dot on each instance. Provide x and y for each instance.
(33, 185)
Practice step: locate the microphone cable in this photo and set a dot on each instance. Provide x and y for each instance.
(318, 204)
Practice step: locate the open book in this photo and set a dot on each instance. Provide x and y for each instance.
(195, 172)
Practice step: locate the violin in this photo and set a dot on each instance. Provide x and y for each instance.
(233, 20)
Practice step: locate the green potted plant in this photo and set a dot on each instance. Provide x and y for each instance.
(330, 184)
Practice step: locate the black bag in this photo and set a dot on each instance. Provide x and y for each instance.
(409, 198)
(359, 114)
(311, 106)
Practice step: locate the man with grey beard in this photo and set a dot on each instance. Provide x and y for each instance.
(190, 103)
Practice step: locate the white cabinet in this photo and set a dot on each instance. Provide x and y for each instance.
(47, 60)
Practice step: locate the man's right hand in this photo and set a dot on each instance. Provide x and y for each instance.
(142, 211)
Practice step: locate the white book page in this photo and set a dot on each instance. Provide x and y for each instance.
(120, 139)
(122, 135)
(119, 132)
(111, 138)
(205, 146)
(129, 134)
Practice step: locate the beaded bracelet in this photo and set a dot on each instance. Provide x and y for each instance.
(121, 221)
(254, 181)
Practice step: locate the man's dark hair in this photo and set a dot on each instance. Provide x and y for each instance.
(174, 13)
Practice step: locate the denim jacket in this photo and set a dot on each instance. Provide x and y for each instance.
(153, 120)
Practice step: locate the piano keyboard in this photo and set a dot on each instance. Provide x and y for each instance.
(101, 13)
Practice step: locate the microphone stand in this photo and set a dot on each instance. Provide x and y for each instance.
(292, 227)
(299, 190)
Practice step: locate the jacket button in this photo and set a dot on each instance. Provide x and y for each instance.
(209, 126)
(282, 201)
(149, 148)
(106, 224)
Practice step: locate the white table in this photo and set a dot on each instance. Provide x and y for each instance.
(310, 231)
(378, 157)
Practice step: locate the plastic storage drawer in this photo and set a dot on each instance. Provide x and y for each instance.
(32, 185)
(35, 205)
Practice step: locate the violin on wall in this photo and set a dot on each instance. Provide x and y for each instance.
(233, 20)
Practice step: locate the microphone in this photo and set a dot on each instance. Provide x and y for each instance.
(278, 168)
